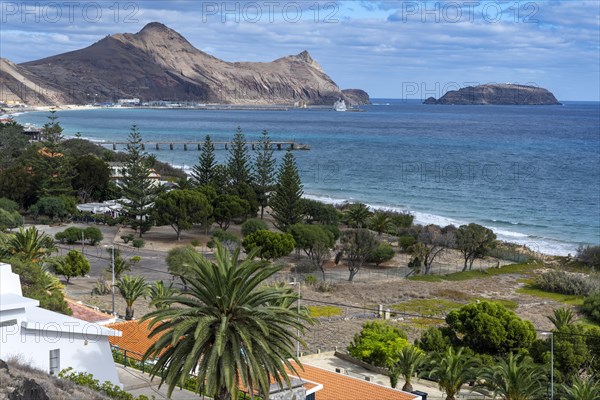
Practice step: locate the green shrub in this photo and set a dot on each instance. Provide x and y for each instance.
(227, 239)
(54, 208)
(127, 238)
(138, 243)
(70, 235)
(566, 283)
(9, 219)
(8, 204)
(406, 242)
(377, 343)
(384, 252)
(590, 255)
(310, 279)
(107, 388)
(195, 242)
(591, 307)
(434, 339)
(93, 234)
(271, 245)
(253, 225)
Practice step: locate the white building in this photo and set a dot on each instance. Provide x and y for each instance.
(48, 340)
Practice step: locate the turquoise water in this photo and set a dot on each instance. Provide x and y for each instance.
(531, 173)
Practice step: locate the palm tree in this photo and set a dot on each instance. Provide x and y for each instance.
(380, 222)
(30, 244)
(229, 328)
(358, 215)
(581, 389)
(562, 317)
(159, 291)
(131, 288)
(406, 363)
(451, 370)
(517, 378)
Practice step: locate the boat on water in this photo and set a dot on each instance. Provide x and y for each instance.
(340, 105)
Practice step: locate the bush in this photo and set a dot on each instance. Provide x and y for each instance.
(9, 219)
(490, 328)
(195, 242)
(591, 307)
(127, 238)
(377, 343)
(434, 339)
(589, 255)
(406, 242)
(93, 234)
(8, 204)
(566, 283)
(384, 252)
(70, 235)
(253, 225)
(138, 243)
(310, 279)
(54, 208)
(227, 239)
(271, 245)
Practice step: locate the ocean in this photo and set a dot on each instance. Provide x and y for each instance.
(530, 173)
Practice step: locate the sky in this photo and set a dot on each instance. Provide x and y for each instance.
(391, 49)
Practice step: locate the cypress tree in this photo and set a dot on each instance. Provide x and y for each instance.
(238, 162)
(138, 188)
(264, 171)
(204, 171)
(285, 201)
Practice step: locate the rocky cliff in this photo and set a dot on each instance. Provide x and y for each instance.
(499, 94)
(356, 97)
(158, 63)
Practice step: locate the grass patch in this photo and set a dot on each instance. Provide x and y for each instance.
(511, 305)
(433, 307)
(532, 290)
(426, 278)
(523, 268)
(420, 323)
(452, 294)
(324, 311)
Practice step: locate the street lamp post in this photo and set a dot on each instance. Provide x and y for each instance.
(298, 329)
(113, 278)
(551, 334)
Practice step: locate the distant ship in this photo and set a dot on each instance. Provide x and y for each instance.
(340, 105)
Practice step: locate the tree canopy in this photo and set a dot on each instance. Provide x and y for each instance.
(181, 209)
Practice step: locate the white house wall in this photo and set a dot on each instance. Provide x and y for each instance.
(83, 352)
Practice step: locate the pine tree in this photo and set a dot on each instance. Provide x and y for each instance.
(285, 201)
(264, 171)
(139, 190)
(204, 171)
(238, 162)
(52, 166)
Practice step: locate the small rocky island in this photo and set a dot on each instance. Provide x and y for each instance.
(497, 94)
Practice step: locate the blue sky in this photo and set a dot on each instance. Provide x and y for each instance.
(393, 49)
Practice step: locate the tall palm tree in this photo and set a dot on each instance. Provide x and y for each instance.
(581, 389)
(516, 378)
(230, 328)
(406, 362)
(451, 370)
(30, 244)
(159, 291)
(131, 288)
(562, 317)
(380, 222)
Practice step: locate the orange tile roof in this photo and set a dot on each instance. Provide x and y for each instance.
(86, 313)
(134, 338)
(343, 387)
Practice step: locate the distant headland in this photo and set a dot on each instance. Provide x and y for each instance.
(497, 94)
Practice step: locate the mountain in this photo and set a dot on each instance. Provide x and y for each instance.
(499, 94)
(158, 63)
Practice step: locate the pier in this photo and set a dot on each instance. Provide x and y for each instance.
(279, 145)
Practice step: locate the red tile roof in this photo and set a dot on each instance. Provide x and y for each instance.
(343, 387)
(134, 338)
(86, 313)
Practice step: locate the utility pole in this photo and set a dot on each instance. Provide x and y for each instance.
(113, 278)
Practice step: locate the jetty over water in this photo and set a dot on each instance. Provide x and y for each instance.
(277, 145)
